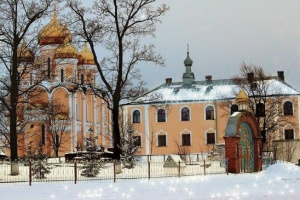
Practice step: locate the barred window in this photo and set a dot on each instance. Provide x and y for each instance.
(136, 117)
(161, 115)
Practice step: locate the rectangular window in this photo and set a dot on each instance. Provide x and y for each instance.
(289, 134)
(137, 141)
(186, 139)
(210, 138)
(161, 140)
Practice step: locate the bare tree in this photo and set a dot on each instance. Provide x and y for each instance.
(18, 19)
(55, 118)
(265, 100)
(117, 26)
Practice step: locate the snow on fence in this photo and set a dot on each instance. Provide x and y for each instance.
(146, 167)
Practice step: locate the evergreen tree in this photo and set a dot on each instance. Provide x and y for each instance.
(39, 166)
(129, 149)
(93, 163)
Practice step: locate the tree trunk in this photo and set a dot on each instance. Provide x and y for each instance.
(116, 132)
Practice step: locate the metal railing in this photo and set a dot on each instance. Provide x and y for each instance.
(145, 167)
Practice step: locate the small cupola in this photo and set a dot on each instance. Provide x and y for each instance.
(24, 53)
(242, 100)
(188, 77)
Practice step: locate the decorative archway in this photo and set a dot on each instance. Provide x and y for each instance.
(246, 148)
(243, 143)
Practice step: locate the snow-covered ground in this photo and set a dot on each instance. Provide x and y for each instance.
(279, 181)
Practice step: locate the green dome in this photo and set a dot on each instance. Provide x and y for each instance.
(188, 61)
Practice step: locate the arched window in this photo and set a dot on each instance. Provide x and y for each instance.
(288, 108)
(136, 116)
(43, 134)
(48, 67)
(260, 110)
(161, 115)
(210, 113)
(234, 108)
(185, 114)
(82, 79)
(61, 75)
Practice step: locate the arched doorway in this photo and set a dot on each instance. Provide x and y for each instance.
(246, 148)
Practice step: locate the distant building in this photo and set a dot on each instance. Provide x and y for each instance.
(190, 116)
(64, 75)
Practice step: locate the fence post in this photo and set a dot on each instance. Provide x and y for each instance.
(179, 168)
(204, 167)
(114, 171)
(75, 171)
(226, 162)
(30, 176)
(148, 170)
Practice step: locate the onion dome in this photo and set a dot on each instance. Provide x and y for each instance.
(188, 61)
(86, 57)
(66, 50)
(242, 97)
(54, 33)
(24, 54)
(242, 100)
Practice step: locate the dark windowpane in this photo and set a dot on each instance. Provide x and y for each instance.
(264, 136)
(43, 134)
(186, 139)
(61, 75)
(162, 140)
(260, 110)
(210, 138)
(234, 108)
(136, 117)
(57, 141)
(82, 79)
(48, 67)
(288, 108)
(210, 113)
(185, 114)
(137, 141)
(161, 115)
(289, 134)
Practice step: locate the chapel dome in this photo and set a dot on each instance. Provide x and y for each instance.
(54, 33)
(86, 57)
(24, 54)
(66, 50)
(188, 61)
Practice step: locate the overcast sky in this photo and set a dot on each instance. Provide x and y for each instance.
(224, 33)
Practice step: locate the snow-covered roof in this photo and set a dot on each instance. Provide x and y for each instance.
(211, 90)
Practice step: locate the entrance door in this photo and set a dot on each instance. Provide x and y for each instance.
(246, 148)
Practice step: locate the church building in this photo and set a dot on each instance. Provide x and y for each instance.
(61, 108)
(190, 116)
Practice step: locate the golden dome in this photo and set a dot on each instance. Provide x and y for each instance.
(54, 33)
(66, 50)
(24, 53)
(242, 97)
(86, 57)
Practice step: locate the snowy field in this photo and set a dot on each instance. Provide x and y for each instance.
(279, 181)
